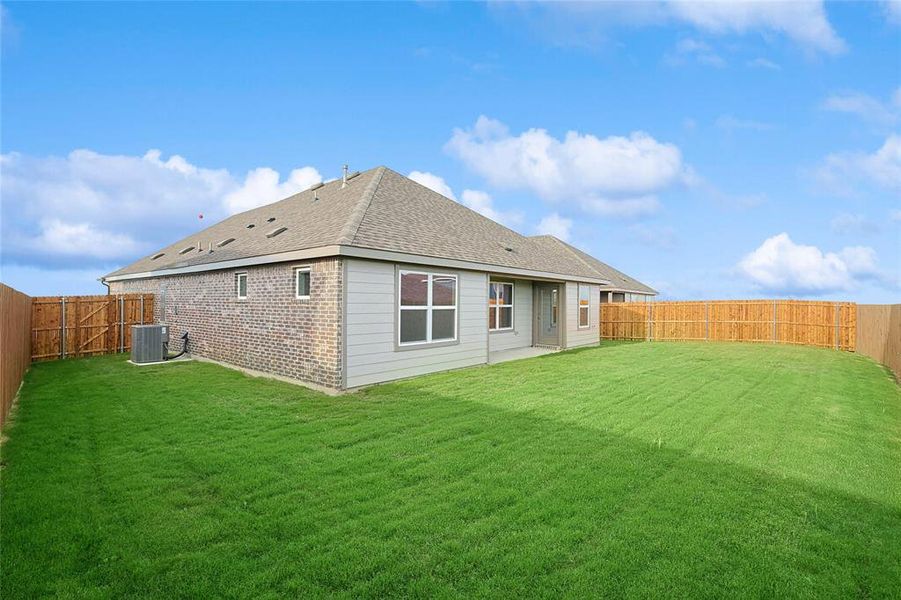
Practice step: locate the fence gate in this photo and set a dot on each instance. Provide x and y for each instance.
(73, 326)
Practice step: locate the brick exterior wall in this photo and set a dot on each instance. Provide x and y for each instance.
(270, 331)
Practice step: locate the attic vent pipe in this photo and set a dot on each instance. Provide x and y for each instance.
(344, 178)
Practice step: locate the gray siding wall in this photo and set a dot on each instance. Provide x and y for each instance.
(371, 313)
(521, 336)
(573, 336)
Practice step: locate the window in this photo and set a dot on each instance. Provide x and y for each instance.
(241, 285)
(427, 310)
(302, 283)
(500, 306)
(554, 307)
(619, 297)
(584, 305)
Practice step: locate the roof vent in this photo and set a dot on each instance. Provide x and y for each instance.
(225, 242)
(275, 232)
(508, 248)
(186, 250)
(251, 226)
(270, 219)
(344, 178)
(156, 256)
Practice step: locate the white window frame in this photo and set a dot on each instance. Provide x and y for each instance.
(579, 306)
(238, 277)
(428, 308)
(297, 272)
(497, 313)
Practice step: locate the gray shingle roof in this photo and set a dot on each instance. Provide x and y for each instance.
(618, 280)
(381, 210)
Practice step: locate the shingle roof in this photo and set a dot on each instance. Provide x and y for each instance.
(618, 280)
(378, 209)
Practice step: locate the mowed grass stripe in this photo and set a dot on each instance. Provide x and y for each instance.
(626, 470)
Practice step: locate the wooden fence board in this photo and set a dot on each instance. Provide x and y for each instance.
(74, 326)
(879, 334)
(822, 324)
(15, 344)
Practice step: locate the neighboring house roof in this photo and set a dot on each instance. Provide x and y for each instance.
(379, 210)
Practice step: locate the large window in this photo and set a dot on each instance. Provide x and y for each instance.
(427, 308)
(584, 306)
(500, 306)
(302, 283)
(241, 285)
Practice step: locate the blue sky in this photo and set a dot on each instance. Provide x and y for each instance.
(712, 150)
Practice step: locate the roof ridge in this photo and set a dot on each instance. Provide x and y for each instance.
(572, 251)
(578, 254)
(349, 232)
(460, 204)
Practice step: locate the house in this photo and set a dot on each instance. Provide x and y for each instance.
(367, 279)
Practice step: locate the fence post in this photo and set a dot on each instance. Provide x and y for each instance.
(774, 322)
(707, 321)
(142, 311)
(121, 324)
(647, 330)
(836, 325)
(62, 327)
(77, 327)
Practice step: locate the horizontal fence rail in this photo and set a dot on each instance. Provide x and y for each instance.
(74, 326)
(807, 323)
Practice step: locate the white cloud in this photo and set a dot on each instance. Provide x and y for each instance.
(866, 107)
(895, 215)
(621, 208)
(482, 203)
(782, 266)
(88, 208)
(803, 21)
(595, 172)
(689, 49)
(83, 240)
(892, 10)
(477, 200)
(881, 168)
(433, 182)
(847, 223)
(763, 63)
(555, 225)
(730, 124)
(583, 23)
(261, 186)
(658, 236)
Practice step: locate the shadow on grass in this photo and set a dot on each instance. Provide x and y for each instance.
(197, 481)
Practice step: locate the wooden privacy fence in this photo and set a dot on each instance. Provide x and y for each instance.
(879, 334)
(72, 326)
(15, 344)
(823, 324)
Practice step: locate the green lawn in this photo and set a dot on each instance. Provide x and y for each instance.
(639, 470)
